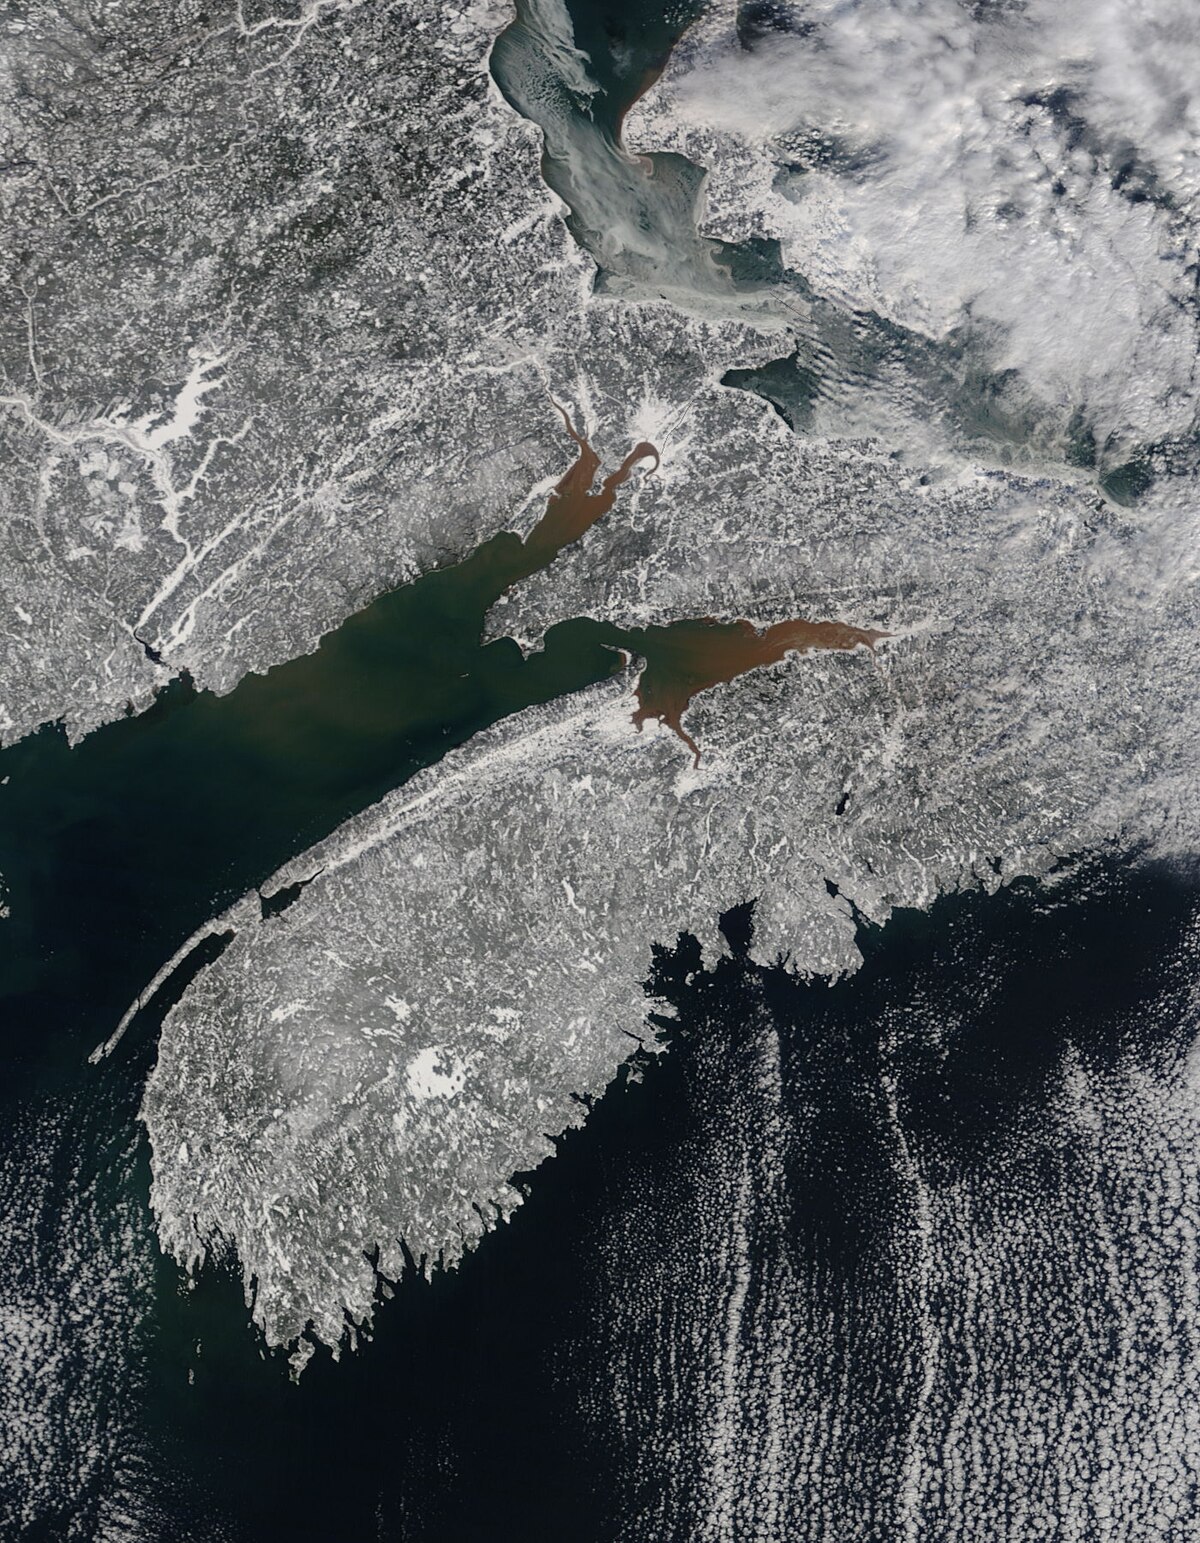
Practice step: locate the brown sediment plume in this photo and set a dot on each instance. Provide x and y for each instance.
(572, 508)
(688, 657)
(685, 657)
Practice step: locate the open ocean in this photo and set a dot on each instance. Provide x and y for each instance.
(566, 1383)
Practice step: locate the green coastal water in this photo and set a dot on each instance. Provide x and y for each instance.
(112, 853)
(153, 823)
(482, 1411)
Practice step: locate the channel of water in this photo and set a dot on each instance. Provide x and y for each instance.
(115, 850)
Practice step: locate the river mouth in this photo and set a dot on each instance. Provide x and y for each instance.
(576, 74)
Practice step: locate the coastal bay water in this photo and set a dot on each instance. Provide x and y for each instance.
(522, 1397)
(116, 849)
(153, 823)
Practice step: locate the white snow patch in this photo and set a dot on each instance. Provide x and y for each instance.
(433, 1073)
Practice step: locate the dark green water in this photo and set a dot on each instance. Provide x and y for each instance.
(112, 853)
(156, 821)
(153, 823)
(472, 1414)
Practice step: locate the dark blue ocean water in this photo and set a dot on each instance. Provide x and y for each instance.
(493, 1403)
(498, 1402)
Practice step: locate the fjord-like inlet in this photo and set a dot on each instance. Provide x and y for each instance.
(572, 508)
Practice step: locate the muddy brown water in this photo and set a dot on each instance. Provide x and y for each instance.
(573, 508)
(682, 658)
(688, 657)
